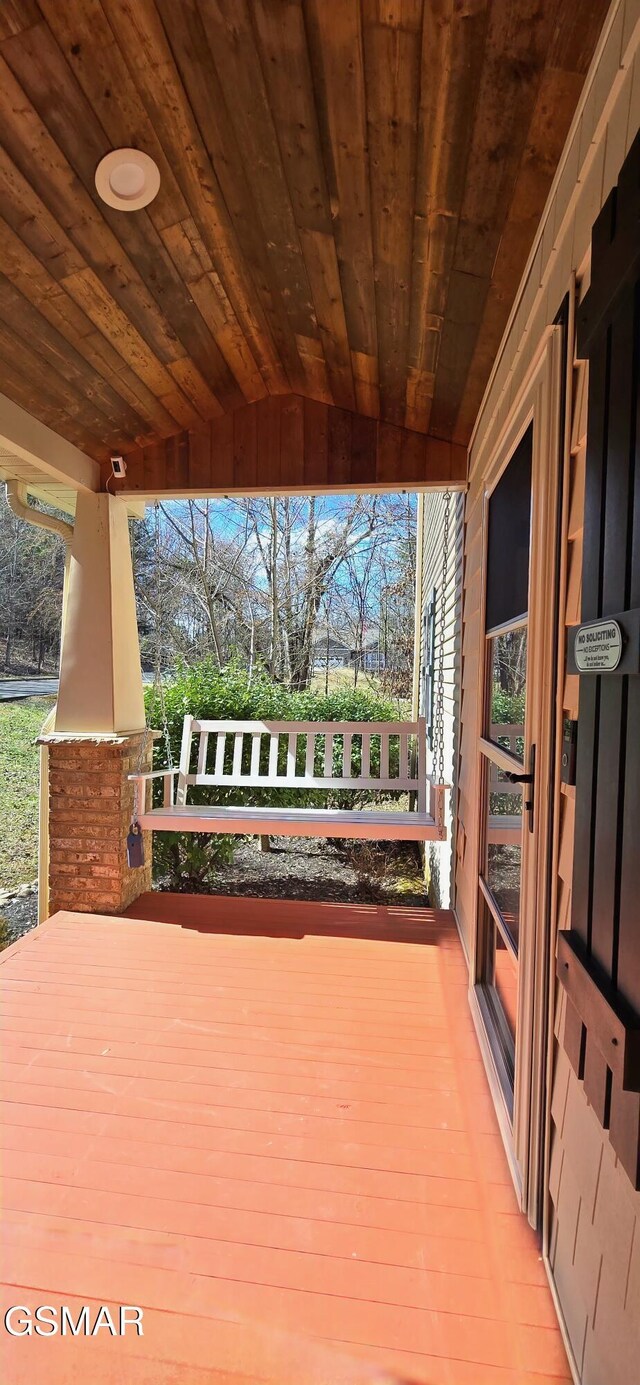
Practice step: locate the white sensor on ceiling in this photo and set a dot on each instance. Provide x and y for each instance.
(119, 467)
(127, 179)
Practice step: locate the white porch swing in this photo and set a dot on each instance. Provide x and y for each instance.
(301, 755)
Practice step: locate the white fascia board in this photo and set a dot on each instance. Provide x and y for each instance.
(34, 442)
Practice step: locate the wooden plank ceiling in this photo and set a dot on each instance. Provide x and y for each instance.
(349, 191)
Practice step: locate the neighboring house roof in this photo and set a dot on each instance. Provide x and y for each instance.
(335, 638)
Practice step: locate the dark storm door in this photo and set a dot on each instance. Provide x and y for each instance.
(599, 959)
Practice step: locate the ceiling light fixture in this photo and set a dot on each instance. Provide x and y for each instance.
(127, 179)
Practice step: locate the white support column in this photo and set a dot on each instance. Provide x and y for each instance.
(100, 675)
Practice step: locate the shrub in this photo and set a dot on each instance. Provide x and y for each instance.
(507, 709)
(187, 861)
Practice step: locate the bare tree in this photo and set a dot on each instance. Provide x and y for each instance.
(244, 579)
(31, 579)
(359, 600)
(303, 545)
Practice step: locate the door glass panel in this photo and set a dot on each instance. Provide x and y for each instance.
(500, 990)
(508, 671)
(505, 980)
(509, 539)
(503, 828)
(503, 879)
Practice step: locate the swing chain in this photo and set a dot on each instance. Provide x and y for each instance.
(158, 683)
(136, 783)
(439, 708)
(158, 686)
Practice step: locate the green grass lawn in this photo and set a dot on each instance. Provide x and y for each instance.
(343, 678)
(20, 723)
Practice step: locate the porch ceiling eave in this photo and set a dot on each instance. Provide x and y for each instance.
(25, 437)
(289, 443)
(348, 193)
(50, 468)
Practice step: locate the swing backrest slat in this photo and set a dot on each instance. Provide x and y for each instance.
(368, 756)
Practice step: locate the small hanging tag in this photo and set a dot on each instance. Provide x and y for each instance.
(135, 846)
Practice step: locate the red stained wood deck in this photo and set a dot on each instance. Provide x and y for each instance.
(268, 1125)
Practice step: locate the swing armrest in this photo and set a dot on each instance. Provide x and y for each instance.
(154, 774)
(167, 774)
(437, 799)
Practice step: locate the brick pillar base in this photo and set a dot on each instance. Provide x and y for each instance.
(90, 807)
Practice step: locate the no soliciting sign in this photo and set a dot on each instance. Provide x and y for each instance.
(598, 647)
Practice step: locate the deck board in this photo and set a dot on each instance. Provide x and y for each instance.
(267, 1124)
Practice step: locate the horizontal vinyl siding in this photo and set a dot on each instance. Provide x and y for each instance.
(440, 855)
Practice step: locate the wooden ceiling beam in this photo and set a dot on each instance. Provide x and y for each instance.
(289, 443)
(38, 63)
(26, 332)
(77, 335)
(392, 57)
(233, 45)
(557, 99)
(334, 36)
(517, 40)
(453, 44)
(181, 93)
(284, 51)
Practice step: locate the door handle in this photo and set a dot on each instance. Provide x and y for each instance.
(529, 778)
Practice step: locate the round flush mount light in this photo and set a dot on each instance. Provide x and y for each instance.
(127, 179)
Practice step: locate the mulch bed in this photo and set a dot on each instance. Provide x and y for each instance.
(17, 917)
(315, 869)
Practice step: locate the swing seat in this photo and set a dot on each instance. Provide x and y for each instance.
(300, 755)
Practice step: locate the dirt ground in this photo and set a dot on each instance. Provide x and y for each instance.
(312, 868)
